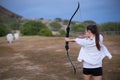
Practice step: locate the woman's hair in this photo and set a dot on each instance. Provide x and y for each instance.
(95, 31)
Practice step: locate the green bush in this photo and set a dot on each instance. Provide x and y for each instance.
(62, 32)
(3, 30)
(34, 28)
(55, 26)
(78, 28)
(88, 22)
(28, 30)
(110, 26)
(15, 26)
(45, 32)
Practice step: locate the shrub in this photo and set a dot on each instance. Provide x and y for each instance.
(62, 32)
(3, 30)
(45, 32)
(35, 28)
(15, 26)
(55, 26)
(78, 28)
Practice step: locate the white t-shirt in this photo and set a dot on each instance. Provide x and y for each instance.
(89, 54)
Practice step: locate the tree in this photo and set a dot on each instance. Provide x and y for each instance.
(55, 26)
(41, 19)
(58, 19)
(3, 30)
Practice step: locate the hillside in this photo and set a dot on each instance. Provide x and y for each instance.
(8, 17)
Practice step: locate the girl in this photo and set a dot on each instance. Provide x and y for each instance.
(92, 52)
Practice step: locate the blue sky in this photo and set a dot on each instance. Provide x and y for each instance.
(99, 11)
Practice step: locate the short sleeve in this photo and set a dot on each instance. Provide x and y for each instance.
(81, 42)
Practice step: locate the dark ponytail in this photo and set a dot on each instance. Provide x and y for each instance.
(95, 31)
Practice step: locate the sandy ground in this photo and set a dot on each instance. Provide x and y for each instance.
(44, 58)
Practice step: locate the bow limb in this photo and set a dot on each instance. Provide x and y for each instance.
(67, 35)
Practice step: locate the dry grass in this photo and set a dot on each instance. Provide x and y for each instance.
(44, 58)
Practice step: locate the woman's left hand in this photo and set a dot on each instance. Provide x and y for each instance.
(67, 39)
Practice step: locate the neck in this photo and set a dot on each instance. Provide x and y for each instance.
(92, 36)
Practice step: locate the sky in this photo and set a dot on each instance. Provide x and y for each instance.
(100, 11)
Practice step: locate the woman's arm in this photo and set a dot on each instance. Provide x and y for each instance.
(69, 40)
(82, 36)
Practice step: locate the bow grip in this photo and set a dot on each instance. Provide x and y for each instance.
(67, 35)
(67, 46)
(67, 31)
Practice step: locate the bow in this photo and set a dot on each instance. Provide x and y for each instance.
(67, 35)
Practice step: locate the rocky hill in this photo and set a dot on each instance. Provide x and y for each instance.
(7, 16)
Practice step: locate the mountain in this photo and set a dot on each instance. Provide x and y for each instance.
(8, 17)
